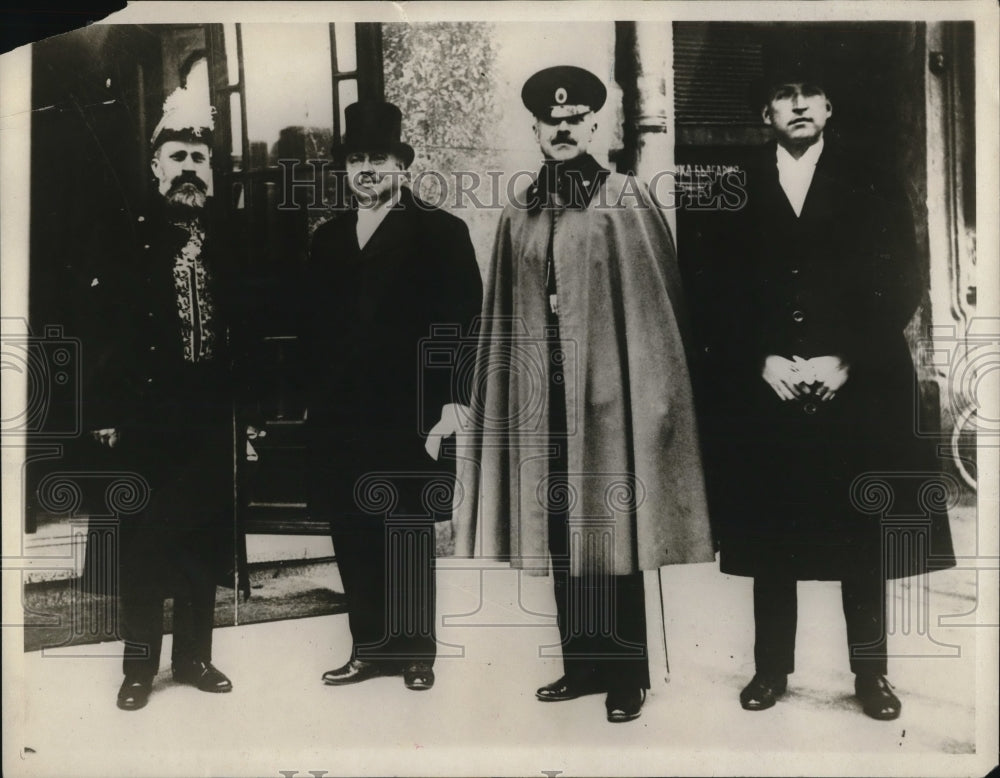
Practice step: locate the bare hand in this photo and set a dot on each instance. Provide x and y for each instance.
(252, 434)
(106, 437)
(829, 374)
(783, 376)
(450, 424)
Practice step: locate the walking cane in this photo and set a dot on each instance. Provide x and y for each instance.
(663, 624)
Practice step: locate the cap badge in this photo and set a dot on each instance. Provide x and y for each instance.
(561, 96)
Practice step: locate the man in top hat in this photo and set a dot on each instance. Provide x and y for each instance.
(812, 385)
(584, 427)
(386, 275)
(159, 401)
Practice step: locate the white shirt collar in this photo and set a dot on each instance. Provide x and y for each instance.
(369, 218)
(379, 210)
(809, 158)
(796, 175)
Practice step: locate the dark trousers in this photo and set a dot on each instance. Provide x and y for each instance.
(387, 568)
(775, 606)
(142, 622)
(602, 621)
(601, 617)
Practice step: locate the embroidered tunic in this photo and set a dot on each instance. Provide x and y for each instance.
(195, 306)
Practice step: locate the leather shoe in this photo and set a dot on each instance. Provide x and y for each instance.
(624, 704)
(877, 699)
(418, 676)
(203, 675)
(565, 689)
(355, 671)
(763, 691)
(134, 693)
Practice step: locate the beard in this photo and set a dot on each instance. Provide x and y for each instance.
(187, 195)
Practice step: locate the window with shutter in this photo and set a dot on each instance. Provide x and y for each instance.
(714, 67)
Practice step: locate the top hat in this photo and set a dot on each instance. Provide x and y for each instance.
(563, 92)
(373, 126)
(788, 64)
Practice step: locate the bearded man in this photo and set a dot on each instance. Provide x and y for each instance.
(159, 403)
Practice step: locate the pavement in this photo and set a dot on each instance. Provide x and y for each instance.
(497, 639)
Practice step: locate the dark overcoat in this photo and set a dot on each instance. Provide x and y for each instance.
(796, 485)
(175, 418)
(384, 329)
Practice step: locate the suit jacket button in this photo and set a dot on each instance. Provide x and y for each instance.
(810, 408)
(798, 317)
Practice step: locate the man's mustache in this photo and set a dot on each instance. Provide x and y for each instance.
(187, 177)
(563, 138)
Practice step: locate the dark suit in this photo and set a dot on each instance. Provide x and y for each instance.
(173, 414)
(373, 397)
(839, 279)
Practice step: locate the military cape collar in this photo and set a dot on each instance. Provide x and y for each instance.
(575, 181)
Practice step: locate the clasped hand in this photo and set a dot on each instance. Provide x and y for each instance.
(791, 378)
(106, 437)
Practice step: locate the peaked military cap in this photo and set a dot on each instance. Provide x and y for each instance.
(562, 92)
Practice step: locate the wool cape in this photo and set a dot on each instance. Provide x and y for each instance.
(635, 487)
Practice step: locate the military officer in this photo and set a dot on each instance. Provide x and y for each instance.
(604, 481)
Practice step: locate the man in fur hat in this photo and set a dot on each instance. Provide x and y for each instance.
(159, 402)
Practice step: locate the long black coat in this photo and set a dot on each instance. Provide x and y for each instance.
(174, 418)
(795, 485)
(378, 374)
